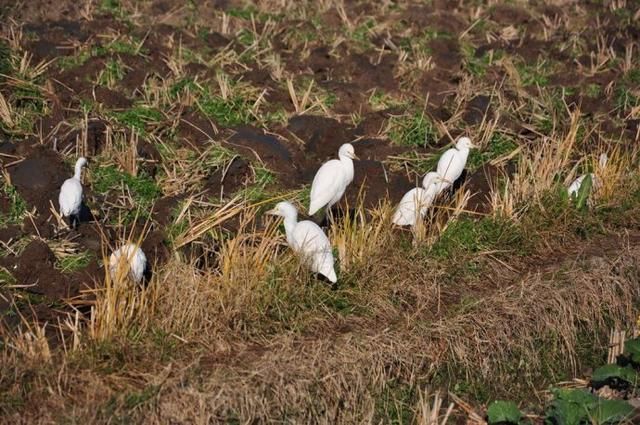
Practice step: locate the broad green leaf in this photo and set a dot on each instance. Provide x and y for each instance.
(583, 192)
(503, 412)
(632, 349)
(563, 412)
(570, 406)
(574, 395)
(610, 412)
(609, 372)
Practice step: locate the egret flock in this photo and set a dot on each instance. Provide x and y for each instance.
(305, 237)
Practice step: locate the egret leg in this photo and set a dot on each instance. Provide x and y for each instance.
(74, 221)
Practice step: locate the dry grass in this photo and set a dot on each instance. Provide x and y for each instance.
(232, 327)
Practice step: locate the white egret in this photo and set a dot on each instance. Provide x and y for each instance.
(307, 240)
(128, 260)
(414, 204)
(332, 179)
(70, 198)
(451, 164)
(574, 187)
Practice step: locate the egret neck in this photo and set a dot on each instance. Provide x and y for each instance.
(290, 221)
(347, 164)
(78, 170)
(464, 154)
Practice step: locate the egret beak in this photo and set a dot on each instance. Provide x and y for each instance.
(272, 212)
(354, 156)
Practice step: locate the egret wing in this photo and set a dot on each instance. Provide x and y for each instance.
(450, 166)
(308, 237)
(406, 213)
(314, 246)
(328, 181)
(70, 197)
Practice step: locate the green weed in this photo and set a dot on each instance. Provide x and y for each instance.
(362, 33)
(415, 130)
(469, 236)
(500, 144)
(593, 90)
(143, 189)
(533, 75)
(251, 12)
(625, 98)
(478, 64)
(113, 72)
(258, 191)
(227, 112)
(6, 277)
(72, 263)
(138, 118)
(17, 207)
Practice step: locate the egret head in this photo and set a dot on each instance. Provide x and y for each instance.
(464, 143)
(430, 178)
(347, 151)
(81, 162)
(283, 209)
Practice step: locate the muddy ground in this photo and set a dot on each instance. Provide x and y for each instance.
(198, 93)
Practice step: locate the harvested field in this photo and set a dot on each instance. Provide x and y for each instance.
(197, 117)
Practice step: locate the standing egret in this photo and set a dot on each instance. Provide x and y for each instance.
(574, 187)
(451, 164)
(70, 198)
(332, 179)
(307, 240)
(414, 204)
(128, 260)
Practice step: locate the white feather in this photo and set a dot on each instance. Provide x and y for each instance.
(451, 164)
(307, 240)
(128, 260)
(70, 198)
(332, 179)
(414, 204)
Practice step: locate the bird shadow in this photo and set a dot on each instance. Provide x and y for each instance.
(332, 285)
(147, 275)
(451, 191)
(85, 216)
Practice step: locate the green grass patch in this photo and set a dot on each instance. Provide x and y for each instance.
(593, 90)
(416, 130)
(143, 188)
(362, 33)
(292, 307)
(17, 207)
(259, 190)
(625, 98)
(500, 144)
(139, 118)
(6, 278)
(478, 64)
(113, 72)
(487, 234)
(75, 262)
(533, 75)
(251, 12)
(129, 46)
(227, 112)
